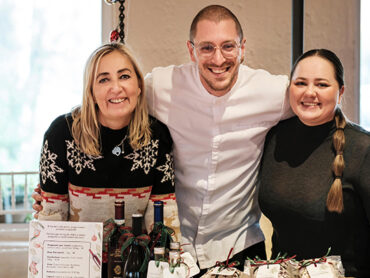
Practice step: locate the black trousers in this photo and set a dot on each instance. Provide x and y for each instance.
(250, 252)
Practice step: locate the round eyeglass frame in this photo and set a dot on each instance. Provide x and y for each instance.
(227, 55)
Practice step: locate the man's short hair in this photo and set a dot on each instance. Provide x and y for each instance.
(215, 13)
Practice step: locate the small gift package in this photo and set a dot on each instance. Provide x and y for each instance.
(228, 272)
(177, 265)
(325, 267)
(282, 267)
(225, 270)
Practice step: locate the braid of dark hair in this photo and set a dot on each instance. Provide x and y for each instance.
(334, 201)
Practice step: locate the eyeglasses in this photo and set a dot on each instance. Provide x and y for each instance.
(207, 50)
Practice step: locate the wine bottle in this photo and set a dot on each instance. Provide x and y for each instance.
(156, 237)
(115, 262)
(134, 267)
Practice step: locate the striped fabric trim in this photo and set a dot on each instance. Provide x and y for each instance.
(118, 193)
(52, 197)
(163, 197)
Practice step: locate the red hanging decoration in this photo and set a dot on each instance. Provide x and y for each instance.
(114, 36)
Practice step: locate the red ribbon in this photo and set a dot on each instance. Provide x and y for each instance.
(279, 261)
(313, 261)
(227, 264)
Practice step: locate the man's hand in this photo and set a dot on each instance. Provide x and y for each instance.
(36, 195)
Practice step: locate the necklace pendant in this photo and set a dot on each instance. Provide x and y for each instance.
(116, 151)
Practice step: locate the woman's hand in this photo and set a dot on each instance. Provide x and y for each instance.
(36, 195)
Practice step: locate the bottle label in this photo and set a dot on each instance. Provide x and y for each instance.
(119, 222)
(115, 263)
(117, 269)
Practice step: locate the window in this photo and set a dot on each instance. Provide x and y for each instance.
(365, 66)
(43, 49)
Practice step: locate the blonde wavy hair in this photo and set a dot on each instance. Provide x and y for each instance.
(86, 127)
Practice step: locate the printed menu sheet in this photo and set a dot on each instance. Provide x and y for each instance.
(65, 249)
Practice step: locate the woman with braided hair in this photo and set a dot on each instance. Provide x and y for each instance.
(315, 171)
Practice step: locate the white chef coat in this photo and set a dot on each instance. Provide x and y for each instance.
(218, 144)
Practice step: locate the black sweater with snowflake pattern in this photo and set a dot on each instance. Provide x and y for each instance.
(80, 187)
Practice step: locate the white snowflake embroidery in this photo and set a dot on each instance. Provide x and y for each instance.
(48, 168)
(77, 159)
(167, 169)
(144, 157)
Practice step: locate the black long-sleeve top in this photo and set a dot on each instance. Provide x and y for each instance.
(295, 179)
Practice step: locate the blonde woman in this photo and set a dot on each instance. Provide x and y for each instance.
(315, 185)
(108, 148)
